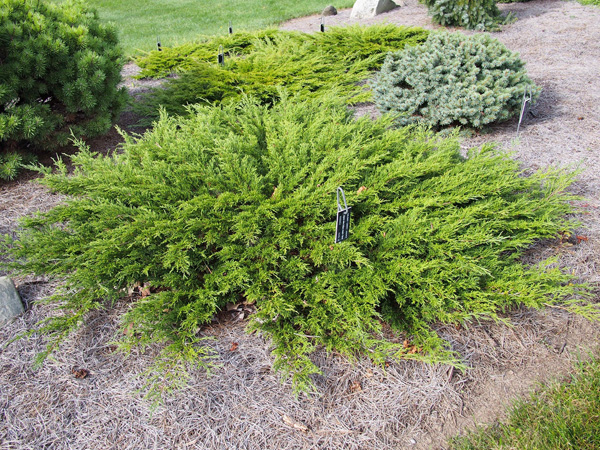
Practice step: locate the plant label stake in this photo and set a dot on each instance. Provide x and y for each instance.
(342, 226)
(322, 25)
(526, 103)
(230, 28)
(158, 44)
(221, 57)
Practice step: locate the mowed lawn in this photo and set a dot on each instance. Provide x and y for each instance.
(177, 21)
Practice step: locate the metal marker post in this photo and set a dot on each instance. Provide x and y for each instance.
(342, 225)
(230, 29)
(526, 101)
(158, 44)
(322, 25)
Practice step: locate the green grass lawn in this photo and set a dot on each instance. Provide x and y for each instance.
(559, 416)
(177, 21)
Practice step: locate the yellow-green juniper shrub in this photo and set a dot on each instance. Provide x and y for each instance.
(238, 203)
(305, 64)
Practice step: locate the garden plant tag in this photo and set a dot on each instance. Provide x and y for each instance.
(322, 25)
(342, 226)
(221, 57)
(158, 44)
(230, 28)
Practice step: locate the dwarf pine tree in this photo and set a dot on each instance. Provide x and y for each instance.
(59, 73)
(453, 79)
(237, 203)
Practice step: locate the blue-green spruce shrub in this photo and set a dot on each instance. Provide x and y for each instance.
(453, 80)
(471, 14)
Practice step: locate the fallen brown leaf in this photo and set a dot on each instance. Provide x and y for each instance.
(80, 373)
(356, 387)
(294, 424)
(234, 346)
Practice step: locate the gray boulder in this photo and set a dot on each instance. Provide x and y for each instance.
(10, 302)
(370, 8)
(329, 11)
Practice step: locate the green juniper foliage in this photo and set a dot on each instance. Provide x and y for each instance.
(471, 14)
(304, 64)
(158, 64)
(59, 73)
(238, 203)
(453, 79)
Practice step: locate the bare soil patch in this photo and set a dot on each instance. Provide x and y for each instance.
(243, 404)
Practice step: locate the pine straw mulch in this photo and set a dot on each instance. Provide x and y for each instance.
(243, 404)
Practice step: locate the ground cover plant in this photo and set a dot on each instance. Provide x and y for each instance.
(471, 14)
(305, 64)
(237, 204)
(175, 22)
(560, 416)
(59, 75)
(590, 2)
(453, 79)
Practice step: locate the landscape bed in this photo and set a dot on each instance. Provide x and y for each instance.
(577, 256)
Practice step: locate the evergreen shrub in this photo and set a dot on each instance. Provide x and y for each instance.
(59, 73)
(305, 64)
(10, 163)
(471, 14)
(237, 203)
(159, 64)
(453, 79)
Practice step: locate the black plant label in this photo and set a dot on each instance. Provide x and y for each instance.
(342, 227)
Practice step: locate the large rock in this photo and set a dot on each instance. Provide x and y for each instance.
(329, 11)
(10, 302)
(370, 8)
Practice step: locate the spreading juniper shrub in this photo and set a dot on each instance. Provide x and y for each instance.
(306, 65)
(353, 42)
(158, 64)
(238, 203)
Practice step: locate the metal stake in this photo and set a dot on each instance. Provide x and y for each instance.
(526, 100)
